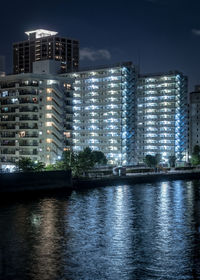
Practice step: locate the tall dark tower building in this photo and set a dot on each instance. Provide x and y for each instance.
(45, 45)
(2, 66)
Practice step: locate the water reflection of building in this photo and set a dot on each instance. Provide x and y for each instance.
(48, 228)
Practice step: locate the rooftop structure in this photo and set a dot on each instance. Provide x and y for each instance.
(45, 45)
(40, 33)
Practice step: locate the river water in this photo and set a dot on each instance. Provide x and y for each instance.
(149, 231)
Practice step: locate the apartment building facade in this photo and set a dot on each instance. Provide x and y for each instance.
(45, 45)
(103, 111)
(32, 118)
(161, 116)
(194, 119)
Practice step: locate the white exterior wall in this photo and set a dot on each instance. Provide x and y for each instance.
(100, 111)
(194, 121)
(32, 118)
(162, 116)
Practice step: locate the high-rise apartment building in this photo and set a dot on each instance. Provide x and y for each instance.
(194, 119)
(33, 118)
(161, 116)
(104, 112)
(2, 66)
(45, 45)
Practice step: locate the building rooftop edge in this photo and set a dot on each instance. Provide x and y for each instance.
(170, 72)
(62, 37)
(27, 75)
(99, 67)
(40, 33)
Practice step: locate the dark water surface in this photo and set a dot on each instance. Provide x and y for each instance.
(149, 231)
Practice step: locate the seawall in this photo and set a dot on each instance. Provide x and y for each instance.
(35, 181)
(136, 179)
(52, 181)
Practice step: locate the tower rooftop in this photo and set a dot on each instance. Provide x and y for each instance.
(40, 33)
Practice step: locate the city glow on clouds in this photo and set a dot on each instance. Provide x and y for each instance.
(93, 55)
(196, 32)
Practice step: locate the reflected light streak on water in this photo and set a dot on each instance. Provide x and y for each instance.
(146, 232)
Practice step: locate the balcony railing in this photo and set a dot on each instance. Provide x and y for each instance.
(27, 153)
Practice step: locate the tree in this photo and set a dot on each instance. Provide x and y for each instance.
(69, 160)
(157, 158)
(195, 159)
(50, 167)
(152, 161)
(39, 166)
(172, 161)
(196, 149)
(82, 161)
(27, 165)
(99, 158)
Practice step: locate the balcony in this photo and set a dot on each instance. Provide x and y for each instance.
(28, 153)
(28, 101)
(28, 93)
(7, 127)
(27, 109)
(7, 143)
(29, 84)
(8, 152)
(11, 119)
(8, 160)
(28, 119)
(24, 144)
(10, 111)
(28, 127)
(34, 135)
(7, 135)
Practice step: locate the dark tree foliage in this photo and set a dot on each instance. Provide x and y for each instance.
(82, 161)
(152, 161)
(27, 165)
(195, 159)
(172, 161)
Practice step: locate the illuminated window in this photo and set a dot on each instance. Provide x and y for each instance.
(49, 98)
(22, 133)
(49, 107)
(68, 86)
(14, 100)
(48, 116)
(51, 82)
(48, 123)
(67, 134)
(49, 90)
(48, 140)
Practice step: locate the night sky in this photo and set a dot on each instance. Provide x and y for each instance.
(161, 35)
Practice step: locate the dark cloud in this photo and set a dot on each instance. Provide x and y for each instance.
(93, 55)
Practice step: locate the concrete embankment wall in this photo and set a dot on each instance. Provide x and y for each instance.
(62, 180)
(135, 179)
(35, 181)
